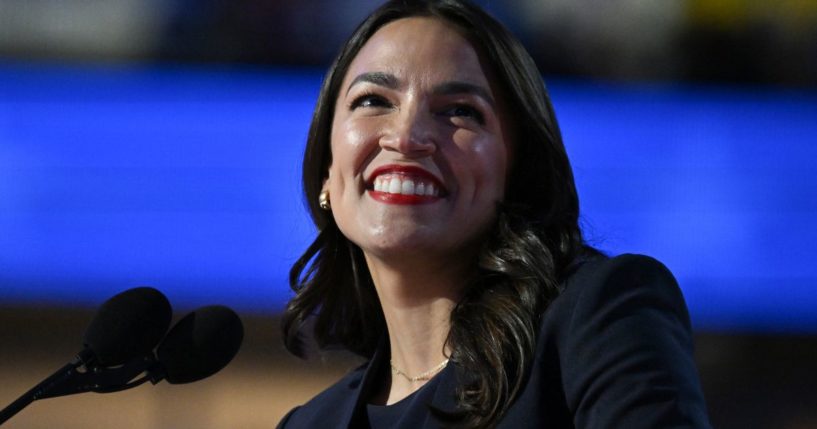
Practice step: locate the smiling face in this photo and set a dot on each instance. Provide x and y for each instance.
(419, 150)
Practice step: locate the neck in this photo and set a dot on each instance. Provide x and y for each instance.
(417, 302)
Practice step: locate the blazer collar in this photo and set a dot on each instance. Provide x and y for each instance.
(445, 397)
(361, 389)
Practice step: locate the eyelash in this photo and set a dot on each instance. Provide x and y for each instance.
(472, 112)
(362, 98)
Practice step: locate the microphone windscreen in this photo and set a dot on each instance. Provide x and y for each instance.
(128, 325)
(201, 344)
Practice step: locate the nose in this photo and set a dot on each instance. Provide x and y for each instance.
(411, 133)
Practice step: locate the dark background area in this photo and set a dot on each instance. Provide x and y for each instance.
(724, 41)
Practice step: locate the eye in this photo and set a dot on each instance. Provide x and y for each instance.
(369, 100)
(465, 111)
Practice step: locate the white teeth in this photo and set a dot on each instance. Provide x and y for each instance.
(394, 186)
(405, 186)
(420, 189)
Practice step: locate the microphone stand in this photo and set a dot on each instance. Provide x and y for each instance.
(78, 376)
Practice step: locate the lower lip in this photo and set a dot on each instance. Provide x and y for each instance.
(385, 197)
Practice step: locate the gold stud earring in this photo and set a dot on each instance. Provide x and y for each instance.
(323, 200)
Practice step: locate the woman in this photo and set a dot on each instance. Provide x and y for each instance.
(450, 255)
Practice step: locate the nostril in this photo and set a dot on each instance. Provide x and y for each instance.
(409, 145)
(409, 138)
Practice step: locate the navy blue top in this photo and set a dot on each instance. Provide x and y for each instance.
(614, 350)
(394, 415)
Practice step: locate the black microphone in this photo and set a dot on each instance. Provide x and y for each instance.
(128, 325)
(119, 347)
(122, 334)
(199, 345)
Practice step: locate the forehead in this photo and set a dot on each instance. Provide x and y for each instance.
(419, 48)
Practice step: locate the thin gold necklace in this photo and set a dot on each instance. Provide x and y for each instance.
(421, 377)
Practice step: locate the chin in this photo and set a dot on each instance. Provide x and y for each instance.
(404, 243)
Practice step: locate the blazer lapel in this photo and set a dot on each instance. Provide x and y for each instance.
(445, 395)
(361, 389)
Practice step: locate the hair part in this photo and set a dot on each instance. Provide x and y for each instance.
(534, 242)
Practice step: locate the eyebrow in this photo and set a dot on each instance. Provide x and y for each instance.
(390, 81)
(378, 78)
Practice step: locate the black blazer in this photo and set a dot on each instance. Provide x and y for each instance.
(614, 351)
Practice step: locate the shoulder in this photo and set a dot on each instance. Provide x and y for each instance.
(621, 337)
(628, 282)
(329, 405)
(632, 300)
(626, 268)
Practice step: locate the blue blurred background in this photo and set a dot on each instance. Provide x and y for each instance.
(186, 178)
(158, 142)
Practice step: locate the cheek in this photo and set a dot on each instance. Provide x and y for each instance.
(352, 144)
(488, 159)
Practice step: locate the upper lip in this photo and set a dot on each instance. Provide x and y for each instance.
(407, 170)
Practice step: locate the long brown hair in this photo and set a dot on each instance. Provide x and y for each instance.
(535, 240)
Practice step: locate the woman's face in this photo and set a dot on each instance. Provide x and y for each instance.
(419, 148)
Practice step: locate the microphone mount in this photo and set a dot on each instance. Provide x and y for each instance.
(81, 375)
